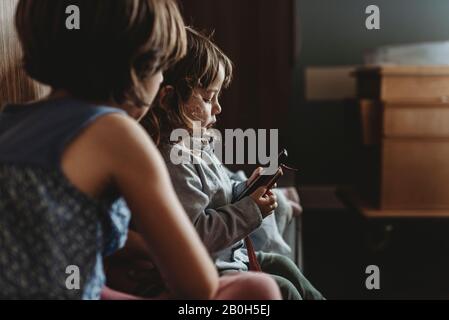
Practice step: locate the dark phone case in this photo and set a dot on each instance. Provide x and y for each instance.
(267, 180)
(262, 180)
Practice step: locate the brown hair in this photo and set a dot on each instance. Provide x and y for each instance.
(118, 46)
(198, 69)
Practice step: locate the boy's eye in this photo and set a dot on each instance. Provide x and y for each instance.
(207, 100)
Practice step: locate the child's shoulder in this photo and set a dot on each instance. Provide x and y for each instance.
(176, 149)
(177, 155)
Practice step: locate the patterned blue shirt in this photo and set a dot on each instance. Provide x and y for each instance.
(46, 223)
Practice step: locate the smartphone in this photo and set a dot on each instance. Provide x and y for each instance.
(266, 180)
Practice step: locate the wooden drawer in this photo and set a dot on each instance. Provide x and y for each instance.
(416, 120)
(402, 119)
(406, 166)
(403, 83)
(414, 174)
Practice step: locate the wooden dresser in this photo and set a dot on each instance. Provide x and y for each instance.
(405, 119)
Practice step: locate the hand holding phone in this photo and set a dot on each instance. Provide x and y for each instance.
(267, 181)
(266, 200)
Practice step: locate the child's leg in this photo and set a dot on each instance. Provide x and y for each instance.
(282, 266)
(238, 286)
(247, 286)
(110, 294)
(288, 290)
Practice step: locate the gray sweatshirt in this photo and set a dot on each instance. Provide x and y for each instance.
(207, 192)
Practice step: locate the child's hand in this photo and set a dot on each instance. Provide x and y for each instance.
(255, 174)
(265, 200)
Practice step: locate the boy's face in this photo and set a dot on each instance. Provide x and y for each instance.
(203, 105)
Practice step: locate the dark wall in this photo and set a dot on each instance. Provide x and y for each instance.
(258, 36)
(333, 32)
(323, 136)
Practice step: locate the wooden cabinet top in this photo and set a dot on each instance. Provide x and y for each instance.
(402, 70)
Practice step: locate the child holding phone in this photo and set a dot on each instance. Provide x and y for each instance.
(190, 92)
(65, 160)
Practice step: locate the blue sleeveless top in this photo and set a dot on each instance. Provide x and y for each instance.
(47, 226)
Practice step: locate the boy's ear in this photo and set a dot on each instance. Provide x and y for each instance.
(165, 95)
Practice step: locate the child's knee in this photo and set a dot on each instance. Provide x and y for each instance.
(281, 262)
(285, 260)
(263, 285)
(287, 288)
(248, 286)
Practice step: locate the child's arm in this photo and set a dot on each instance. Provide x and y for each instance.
(217, 227)
(287, 198)
(268, 237)
(138, 170)
(238, 180)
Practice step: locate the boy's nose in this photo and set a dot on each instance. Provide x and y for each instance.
(217, 108)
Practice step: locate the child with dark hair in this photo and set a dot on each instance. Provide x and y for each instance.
(190, 93)
(66, 160)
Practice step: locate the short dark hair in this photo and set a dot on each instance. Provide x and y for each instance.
(198, 69)
(118, 46)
